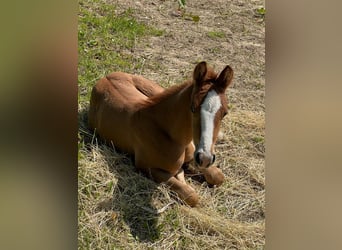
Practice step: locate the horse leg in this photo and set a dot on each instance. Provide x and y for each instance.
(213, 175)
(180, 175)
(188, 167)
(184, 191)
(189, 152)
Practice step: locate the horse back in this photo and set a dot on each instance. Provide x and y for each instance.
(114, 100)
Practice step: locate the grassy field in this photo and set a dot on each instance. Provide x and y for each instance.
(118, 207)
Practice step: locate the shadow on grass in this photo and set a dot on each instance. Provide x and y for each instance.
(132, 195)
(132, 198)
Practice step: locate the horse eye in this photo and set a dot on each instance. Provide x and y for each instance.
(224, 114)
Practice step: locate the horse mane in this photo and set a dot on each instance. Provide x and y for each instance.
(166, 93)
(210, 77)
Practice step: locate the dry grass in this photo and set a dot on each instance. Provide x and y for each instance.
(121, 209)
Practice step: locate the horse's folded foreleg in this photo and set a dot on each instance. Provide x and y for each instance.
(184, 191)
(213, 175)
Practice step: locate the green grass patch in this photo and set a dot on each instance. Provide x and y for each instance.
(260, 12)
(106, 37)
(216, 34)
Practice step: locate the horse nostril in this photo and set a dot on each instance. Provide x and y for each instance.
(213, 159)
(198, 159)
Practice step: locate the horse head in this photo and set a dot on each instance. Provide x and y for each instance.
(209, 105)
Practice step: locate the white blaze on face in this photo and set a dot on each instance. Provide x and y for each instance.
(209, 108)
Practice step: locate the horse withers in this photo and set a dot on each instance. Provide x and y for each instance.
(164, 129)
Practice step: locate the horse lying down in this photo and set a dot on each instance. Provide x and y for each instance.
(164, 129)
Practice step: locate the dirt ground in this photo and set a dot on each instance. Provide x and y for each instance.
(240, 41)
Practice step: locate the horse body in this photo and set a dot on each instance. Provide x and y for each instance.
(167, 130)
(114, 101)
(157, 126)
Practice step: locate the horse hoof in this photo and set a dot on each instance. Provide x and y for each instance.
(213, 175)
(189, 196)
(192, 199)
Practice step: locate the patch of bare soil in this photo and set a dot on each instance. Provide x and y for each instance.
(228, 32)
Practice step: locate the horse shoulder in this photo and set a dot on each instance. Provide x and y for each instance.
(154, 148)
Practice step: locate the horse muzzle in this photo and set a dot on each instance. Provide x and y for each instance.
(203, 159)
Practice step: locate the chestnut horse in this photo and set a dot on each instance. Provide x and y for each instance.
(164, 129)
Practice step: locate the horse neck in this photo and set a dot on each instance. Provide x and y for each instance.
(174, 116)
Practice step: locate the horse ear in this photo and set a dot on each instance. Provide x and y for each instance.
(200, 72)
(224, 79)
